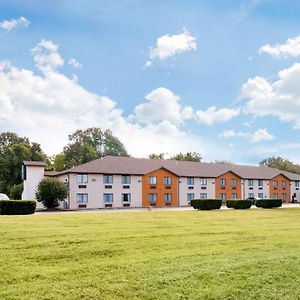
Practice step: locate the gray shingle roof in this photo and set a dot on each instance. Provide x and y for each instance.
(141, 166)
(34, 163)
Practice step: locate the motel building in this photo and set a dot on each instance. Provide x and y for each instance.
(117, 182)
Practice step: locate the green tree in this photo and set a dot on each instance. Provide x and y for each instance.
(16, 192)
(7, 139)
(50, 192)
(157, 156)
(281, 164)
(189, 156)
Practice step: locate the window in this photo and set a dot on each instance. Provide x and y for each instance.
(152, 197)
(234, 196)
(203, 196)
(222, 182)
(203, 181)
(190, 196)
(126, 197)
(260, 195)
(233, 182)
(275, 196)
(283, 183)
(168, 180)
(108, 179)
(296, 183)
(82, 198)
(260, 182)
(126, 179)
(274, 183)
(82, 178)
(250, 182)
(223, 196)
(250, 195)
(108, 198)
(283, 196)
(168, 197)
(190, 180)
(152, 180)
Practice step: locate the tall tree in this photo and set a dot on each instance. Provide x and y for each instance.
(157, 156)
(281, 164)
(189, 156)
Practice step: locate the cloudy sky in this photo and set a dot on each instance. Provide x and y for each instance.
(218, 77)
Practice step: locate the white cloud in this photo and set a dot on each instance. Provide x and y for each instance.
(46, 56)
(163, 105)
(280, 98)
(291, 48)
(212, 115)
(257, 136)
(170, 45)
(13, 23)
(48, 107)
(75, 63)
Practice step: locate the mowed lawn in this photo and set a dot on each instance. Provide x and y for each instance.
(228, 254)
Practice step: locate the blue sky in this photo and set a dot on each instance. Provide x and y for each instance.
(218, 63)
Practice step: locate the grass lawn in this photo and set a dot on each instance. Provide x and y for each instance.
(252, 254)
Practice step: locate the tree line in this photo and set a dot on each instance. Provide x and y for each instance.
(83, 146)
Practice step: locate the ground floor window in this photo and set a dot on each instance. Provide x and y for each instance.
(168, 197)
(108, 198)
(275, 196)
(234, 196)
(203, 196)
(126, 197)
(250, 195)
(152, 197)
(283, 196)
(223, 196)
(190, 196)
(260, 195)
(81, 198)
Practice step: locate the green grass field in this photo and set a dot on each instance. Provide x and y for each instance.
(253, 254)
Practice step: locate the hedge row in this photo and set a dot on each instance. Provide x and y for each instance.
(209, 204)
(17, 207)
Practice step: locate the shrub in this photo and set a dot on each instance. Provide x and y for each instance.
(17, 207)
(268, 203)
(239, 204)
(50, 192)
(16, 192)
(206, 204)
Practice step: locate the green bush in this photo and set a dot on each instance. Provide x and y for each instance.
(50, 192)
(239, 204)
(206, 204)
(268, 203)
(17, 207)
(16, 192)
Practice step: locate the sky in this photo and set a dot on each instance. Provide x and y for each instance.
(221, 78)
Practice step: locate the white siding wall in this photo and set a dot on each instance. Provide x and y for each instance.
(197, 189)
(34, 174)
(246, 189)
(95, 188)
(295, 190)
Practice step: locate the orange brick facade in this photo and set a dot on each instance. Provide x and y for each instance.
(280, 188)
(160, 189)
(229, 189)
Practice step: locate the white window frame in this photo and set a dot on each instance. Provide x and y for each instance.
(108, 200)
(203, 181)
(152, 179)
(126, 179)
(153, 197)
(203, 195)
(250, 182)
(168, 197)
(82, 178)
(260, 181)
(190, 196)
(108, 179)
(82, 198)
(128, 196)
(222, 180)
(234, 196)
(190, 180)
(168, 180)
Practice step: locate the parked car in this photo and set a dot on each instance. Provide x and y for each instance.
(253, 199)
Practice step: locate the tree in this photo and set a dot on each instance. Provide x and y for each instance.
(90, 144)
(281, 164)
(50, 192)
(7, 139)
(16, 191)
(189, 156)
(157, 156)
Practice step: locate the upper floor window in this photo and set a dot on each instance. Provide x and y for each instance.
(108, 197)
(168, 180)
(296, 183)
(203, 196)
(283, 183)
(274, 183)
(152, 197)
(82, 178)
(250, 182)
(82, 198)
(260, 182)
(233, 182)
(152, 180)
(126, 179)
(203, 181)
(222, 182)
(190, 196)
(168, 197)
(108, 179)
(190, 180)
